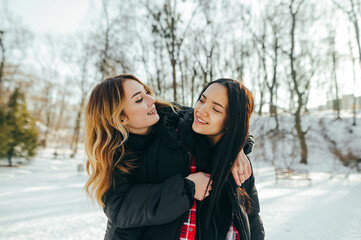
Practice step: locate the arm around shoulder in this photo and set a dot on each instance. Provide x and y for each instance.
(248, 147)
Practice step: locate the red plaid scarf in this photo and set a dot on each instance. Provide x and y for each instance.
(189, 226)
(233, 235)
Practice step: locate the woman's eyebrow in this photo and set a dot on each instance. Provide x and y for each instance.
(135, 94)
(218, 104)
(213, 101)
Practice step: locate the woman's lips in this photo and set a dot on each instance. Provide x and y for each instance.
(153, 112)
(200, 121)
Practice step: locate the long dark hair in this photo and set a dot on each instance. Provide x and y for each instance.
(240, 108)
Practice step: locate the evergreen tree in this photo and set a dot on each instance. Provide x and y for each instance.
(4, 134)
(23, 132)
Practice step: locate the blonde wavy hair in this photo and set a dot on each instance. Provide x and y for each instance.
(105, 135)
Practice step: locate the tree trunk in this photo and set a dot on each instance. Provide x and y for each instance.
(261, 103)
(10, 163)
(61, 113)
(272, 88)
(183, 83)
(104, 61)
(2, 66)
(334, 76)
(47, 109)
(354, 84)
(75, 140)
(260, 86)
(173, 62)
(300, 133)
(353, 17)
(192, 86)
(301, 136)
(276, 112)
(354, 110)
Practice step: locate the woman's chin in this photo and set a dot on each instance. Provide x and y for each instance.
(195, 128)
(156, 118)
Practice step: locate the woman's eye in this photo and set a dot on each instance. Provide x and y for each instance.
(201, 100)
(216, 110)
(140, 100)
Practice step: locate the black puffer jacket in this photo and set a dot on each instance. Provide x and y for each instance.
(151, 203)
(249, 225)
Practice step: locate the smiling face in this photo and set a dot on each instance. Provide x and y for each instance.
(210, 112)
(139, 112)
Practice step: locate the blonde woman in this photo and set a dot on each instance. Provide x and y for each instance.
(142, 200)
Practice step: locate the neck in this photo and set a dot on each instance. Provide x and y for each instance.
(214, 139)
(140, 131)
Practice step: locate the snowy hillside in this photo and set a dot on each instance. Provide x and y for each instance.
(45, 199)
(324, 136)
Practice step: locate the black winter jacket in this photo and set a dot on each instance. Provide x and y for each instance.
(249, 225)
(152, 201)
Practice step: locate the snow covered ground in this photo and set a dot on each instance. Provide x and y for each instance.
(328, 209)
(45, 199)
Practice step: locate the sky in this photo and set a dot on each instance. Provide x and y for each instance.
(62, 17)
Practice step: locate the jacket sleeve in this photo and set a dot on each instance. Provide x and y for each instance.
(130, 205)
(255, 221)
(249, 144)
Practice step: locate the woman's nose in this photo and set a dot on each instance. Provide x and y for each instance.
(203, 109)
(151, 100)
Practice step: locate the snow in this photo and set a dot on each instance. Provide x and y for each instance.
(45, 199)
(327, 209)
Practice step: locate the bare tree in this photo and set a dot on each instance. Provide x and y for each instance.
(110, 37)
(166, 23)
(353, 11)
(277, 27)
(2, 63)
(207, 40)
(303, 65)
(49, 79)
(334, 59)
(191, 72)
(266, 43)
(14, 39)
(152, 58)
(352, 8)
(354, 81)
(82, 58)
(259, 44)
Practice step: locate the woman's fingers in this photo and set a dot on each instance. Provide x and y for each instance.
(202, 184)
(241, 169)
(236, 169)
(246, 168)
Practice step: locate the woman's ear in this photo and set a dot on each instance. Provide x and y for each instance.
(124, 119)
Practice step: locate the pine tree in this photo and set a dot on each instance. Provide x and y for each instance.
(4, 134)
(23, 132)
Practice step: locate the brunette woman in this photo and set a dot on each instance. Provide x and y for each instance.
(214, 133)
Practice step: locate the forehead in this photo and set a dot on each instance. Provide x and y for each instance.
(131, 87)
(217, 93)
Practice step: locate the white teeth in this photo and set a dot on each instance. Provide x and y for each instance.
(153, 111)
(200, 120)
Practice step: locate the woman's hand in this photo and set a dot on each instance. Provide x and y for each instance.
(241, 169)
(201, 181)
